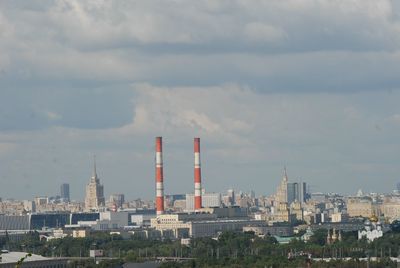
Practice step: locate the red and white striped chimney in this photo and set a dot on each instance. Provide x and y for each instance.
(197, 175)
(159, 177)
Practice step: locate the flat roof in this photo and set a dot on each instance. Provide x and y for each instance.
(15, 256)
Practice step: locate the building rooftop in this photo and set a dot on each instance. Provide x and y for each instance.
(14, 256)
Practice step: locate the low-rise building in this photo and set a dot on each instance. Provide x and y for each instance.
(199, 225)
(10, 260)
(263, 230)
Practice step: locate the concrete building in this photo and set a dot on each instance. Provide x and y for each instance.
(113, 220)
(208, 200)
(94, 198)
(360, 207)
(391, 210)
(297, 210)
(270, 230)
(80, 233)
(229, 212)
(142, 220)
(10, 260)
(108, 220)
(281, 214)
(179, 205)
(198, 225)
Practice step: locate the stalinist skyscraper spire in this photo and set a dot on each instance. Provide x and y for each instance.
(94, 191)
(281, 193)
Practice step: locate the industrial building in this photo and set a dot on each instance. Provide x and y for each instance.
(38, 221)
(10, 260)
(184, 225)
(208, 200)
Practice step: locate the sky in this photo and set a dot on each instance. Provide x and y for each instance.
(308, 84)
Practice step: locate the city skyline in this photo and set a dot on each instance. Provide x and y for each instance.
(279, 185)
(312, 85)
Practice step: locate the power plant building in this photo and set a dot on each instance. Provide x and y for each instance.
(209, 200)
(184, 225)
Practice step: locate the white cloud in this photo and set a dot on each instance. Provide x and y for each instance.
(53, 115)
(260, 32)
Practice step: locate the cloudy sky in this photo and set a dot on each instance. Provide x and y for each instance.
(313, 85)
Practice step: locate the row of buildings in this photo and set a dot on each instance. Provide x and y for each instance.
(200, 213)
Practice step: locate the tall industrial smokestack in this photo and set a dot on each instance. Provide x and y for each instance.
(159, 177)
(197, 175)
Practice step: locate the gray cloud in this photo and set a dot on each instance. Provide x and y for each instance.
(328, 140)
(36, 108)
(273, 46)
(313, 84)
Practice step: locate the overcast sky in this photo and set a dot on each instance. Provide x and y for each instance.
(313, 85)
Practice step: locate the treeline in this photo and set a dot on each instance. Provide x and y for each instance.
(229, 250)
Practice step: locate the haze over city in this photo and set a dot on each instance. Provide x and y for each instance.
(313, 85)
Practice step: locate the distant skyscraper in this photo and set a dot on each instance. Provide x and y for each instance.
(303, 193)
(281, 195)
(94, 192)
(296, 192)
(292, 192)
(64, 193)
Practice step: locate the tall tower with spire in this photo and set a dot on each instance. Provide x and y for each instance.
(94, 191)
(281, 193)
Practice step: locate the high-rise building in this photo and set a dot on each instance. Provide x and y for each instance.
(64, 192)
(296, 192)
(292, 192)
(94, 192)
(281, 195)
(303, 193)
